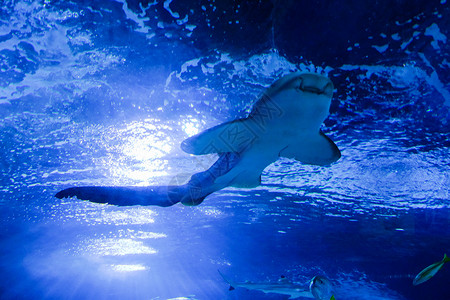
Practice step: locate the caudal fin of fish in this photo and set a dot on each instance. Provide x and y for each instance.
(227, 281)
(127, 196)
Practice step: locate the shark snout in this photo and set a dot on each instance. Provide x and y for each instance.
(317, 84)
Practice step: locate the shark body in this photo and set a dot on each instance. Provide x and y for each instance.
(284, 122)
(282, 286)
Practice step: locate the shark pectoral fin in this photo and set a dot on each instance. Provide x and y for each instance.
(315, 149)
(228, 137)
(247, 181)
(240, 178)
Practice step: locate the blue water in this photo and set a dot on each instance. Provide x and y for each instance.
(103, 93)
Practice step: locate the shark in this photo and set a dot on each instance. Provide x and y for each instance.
(283, 286)
(285, 121)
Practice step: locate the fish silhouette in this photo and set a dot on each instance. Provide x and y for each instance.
(284, 122)
(283, 286)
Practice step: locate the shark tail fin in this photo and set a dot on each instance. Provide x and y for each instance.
(446, 258)
(227, 281)
(191, 201)
(127, 196)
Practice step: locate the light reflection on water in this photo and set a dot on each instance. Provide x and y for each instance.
(117, 247)
(141, 150)
(191, 126)
(128, 268)
(125, 217)
(94, 214)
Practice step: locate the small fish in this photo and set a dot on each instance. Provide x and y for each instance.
(430, 271)
(321, 288)
(283, 287)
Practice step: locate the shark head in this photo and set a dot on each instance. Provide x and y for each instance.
(303, 83)
(302, 98)
(315, 84)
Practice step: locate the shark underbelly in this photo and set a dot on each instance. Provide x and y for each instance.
(247, 171)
